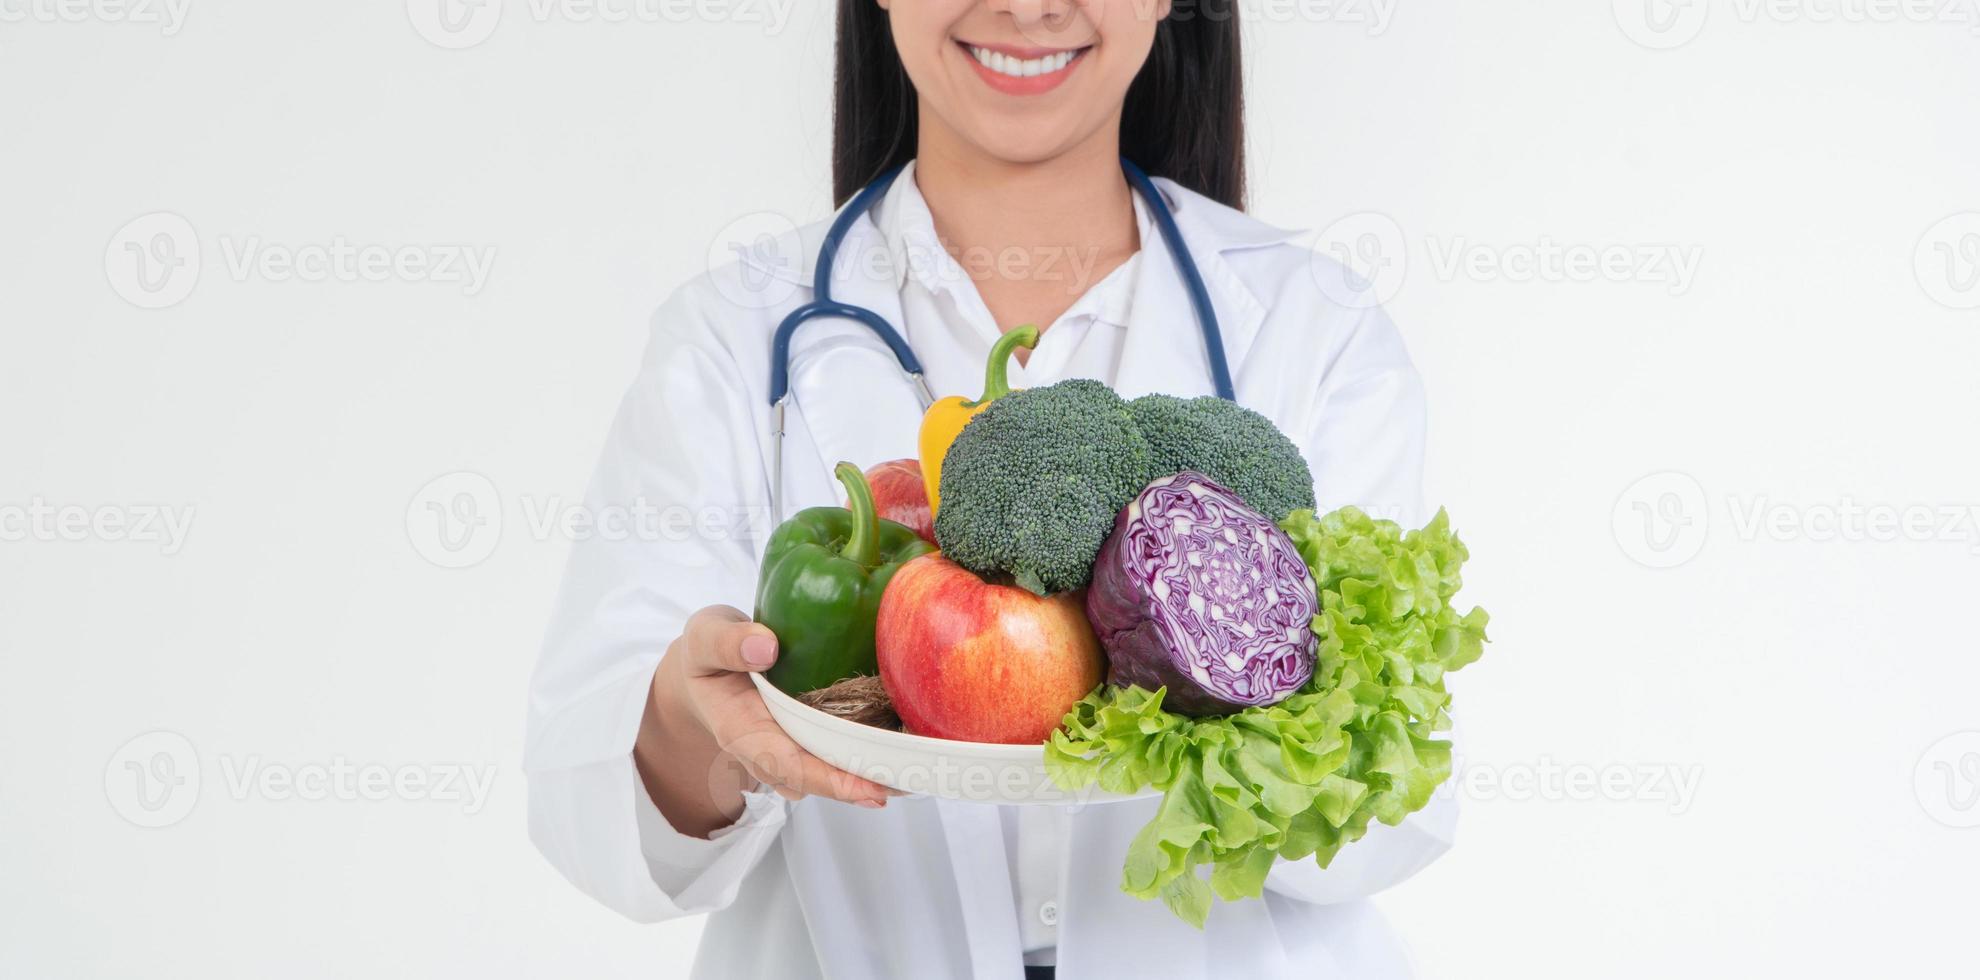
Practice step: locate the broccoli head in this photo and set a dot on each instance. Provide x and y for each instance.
(1031, 486)
(1230, 444)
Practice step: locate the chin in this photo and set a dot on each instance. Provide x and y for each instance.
(1024, 142)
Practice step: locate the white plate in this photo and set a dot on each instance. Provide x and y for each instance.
(979, 772)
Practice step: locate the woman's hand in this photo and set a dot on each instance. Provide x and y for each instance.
(706, 736)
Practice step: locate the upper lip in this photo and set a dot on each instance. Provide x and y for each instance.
(1020, 52)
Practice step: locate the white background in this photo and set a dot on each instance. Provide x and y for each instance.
(1819, 364)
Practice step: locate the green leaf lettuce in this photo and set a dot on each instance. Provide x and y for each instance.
(1302, 778)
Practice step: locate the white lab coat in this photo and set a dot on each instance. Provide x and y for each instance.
(922, 888)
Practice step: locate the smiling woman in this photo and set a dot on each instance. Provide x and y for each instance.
(1097, 148)
(1175, 83)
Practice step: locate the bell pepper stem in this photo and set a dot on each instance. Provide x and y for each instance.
(997, 372)
(863, 545)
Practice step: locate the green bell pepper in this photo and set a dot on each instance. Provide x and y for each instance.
(823, 573)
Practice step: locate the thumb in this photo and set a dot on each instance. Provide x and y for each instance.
(730, 643)
(757, 647)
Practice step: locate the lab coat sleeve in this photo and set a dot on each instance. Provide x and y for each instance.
(1365, 430)
(677, 503)
(1365, 443)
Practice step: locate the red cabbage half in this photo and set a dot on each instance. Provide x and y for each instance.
(1198, 593)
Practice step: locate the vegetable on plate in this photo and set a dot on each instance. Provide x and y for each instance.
(1305, 777)
(1278, 676)
(1037, 477)
(1199, 594)
(1228, 443)
(945, 419)
(824, 572)
(1031, 486)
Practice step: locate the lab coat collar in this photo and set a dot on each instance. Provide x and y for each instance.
(907, 232)
(1165, 350)
(914, 250)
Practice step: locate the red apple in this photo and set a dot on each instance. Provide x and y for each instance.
(964, 659)
(901, 495)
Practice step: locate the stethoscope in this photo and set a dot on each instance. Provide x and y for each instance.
(824, 306)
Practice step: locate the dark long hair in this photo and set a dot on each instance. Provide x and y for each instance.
(1184, 117)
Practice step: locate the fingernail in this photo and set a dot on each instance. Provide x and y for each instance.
(759, 651)
(873, 804)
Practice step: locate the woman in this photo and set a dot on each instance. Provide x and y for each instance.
(659, 784)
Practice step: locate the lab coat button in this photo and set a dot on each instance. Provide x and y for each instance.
(1048, 913)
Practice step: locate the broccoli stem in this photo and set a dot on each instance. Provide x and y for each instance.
(997, 373)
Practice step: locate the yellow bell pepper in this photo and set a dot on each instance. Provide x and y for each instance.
(946, 418)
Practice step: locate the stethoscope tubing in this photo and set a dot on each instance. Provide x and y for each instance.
(823, 306)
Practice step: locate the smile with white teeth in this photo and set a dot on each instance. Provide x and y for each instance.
(1004, 64)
